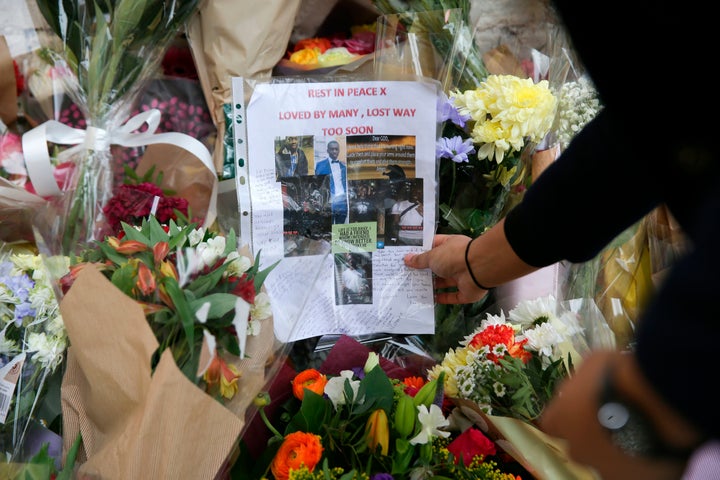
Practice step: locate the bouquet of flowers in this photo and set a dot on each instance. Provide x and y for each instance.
(486, 131)
(108, 52)
(196, 290)
(32, 343)
(373, 421)
(511, 366)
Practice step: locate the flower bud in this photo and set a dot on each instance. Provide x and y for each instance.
(262, 399)
(129, 247)
(145, 279)
(377, 432)
(160, 251)
(405, 416)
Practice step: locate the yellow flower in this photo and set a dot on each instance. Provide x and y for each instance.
(222, 376)
(508, 111)
(306, 56)
(377, 432)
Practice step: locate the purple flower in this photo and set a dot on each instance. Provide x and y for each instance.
(22, 311)
(446, 110)
(382, 476)
(454, 148)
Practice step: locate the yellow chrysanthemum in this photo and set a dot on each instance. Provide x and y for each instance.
(508, 111)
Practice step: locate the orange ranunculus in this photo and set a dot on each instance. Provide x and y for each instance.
(319, 43)
(221, 376)
(298, 448)
(306, 56)
(310, 379)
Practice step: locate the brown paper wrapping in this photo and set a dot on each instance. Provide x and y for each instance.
(183, 173)
(8, 85)
(227, 41)
(134, 424)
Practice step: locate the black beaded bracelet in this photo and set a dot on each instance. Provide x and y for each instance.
(467, 262)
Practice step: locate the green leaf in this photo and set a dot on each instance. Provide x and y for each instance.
(377, 391)
(220, 304)
(204, 283)
(185, 314)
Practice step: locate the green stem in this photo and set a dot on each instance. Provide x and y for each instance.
(269, 425)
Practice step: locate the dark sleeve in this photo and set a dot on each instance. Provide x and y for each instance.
(596, 189)
(678, 332)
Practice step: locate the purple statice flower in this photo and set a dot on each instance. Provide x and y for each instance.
(446, 110)
(454, 148)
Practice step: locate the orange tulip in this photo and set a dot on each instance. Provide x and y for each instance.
(298, 448)
(310, 379)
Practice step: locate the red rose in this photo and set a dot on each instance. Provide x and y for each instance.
(469, 444)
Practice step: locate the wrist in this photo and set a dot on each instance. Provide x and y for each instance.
(638, 421)
(469, 266)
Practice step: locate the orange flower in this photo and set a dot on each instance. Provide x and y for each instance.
(160, 251)
(501, 334)
(310, 379)
(318, 43)
(221, 376)
(145, 279)
(128, 247)
(413, 385)
(298, 448)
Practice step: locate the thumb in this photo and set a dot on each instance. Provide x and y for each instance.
(417, 260)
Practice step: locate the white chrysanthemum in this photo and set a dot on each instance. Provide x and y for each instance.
(543, 339)
(48, 349)
(578, 103)
(261, 308)
(7, 345)
(533, 312)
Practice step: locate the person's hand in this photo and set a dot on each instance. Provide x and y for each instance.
(572, 416)
(447, 261)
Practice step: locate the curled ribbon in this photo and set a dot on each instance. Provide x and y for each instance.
(40, 169)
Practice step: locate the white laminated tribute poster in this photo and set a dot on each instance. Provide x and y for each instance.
(337, 181)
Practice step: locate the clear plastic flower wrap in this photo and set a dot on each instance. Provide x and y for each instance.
(32, 333)
(107, 52)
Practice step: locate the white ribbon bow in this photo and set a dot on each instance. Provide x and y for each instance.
(40, 169)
